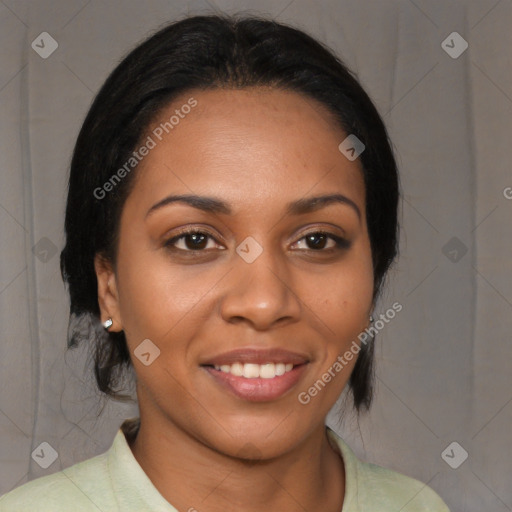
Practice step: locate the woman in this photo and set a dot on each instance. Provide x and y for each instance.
(232, 214)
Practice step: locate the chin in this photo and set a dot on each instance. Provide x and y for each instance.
(260, 438)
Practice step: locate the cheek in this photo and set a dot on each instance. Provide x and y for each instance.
(344, 302)
(345, 292)
(156, 296)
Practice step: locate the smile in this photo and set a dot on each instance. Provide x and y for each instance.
(256, 374)
(255, 371)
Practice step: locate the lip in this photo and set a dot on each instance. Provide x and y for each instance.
(257, 390)
(256, 356)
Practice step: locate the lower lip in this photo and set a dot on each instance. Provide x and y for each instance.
(258, 390)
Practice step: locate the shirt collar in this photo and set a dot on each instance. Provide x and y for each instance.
(134, 490)
(351, 464)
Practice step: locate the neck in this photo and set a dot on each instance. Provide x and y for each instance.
(192, 476)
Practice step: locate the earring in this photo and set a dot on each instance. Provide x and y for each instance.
(107, 323)
(367, 336)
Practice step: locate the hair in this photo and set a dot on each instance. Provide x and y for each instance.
(209, 52)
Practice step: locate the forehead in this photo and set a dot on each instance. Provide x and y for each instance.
(248, 146)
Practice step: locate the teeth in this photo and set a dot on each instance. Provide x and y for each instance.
(254, 371)
(251, 371)
(237, 369)
(267, 371)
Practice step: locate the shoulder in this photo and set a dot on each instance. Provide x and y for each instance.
(82, 487)
(397, 491)
(372, 487)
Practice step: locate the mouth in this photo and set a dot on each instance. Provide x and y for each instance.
(257, 375)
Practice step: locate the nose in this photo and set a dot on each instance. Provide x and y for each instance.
(260, 293)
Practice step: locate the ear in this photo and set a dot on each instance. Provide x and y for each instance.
(108, 297)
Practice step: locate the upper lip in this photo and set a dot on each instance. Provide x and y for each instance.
(256, 356)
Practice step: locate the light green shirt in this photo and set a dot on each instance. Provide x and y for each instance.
(115, 482)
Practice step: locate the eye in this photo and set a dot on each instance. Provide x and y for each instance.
(192, 240)
(321, 241)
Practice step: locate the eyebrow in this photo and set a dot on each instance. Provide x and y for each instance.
(213, 205)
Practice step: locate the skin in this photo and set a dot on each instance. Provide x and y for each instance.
(256, 149)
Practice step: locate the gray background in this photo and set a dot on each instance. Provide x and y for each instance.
(442, 364)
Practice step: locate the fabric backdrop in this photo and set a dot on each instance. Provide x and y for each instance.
(443, 373)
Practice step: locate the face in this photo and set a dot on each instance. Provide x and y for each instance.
(250, 290)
